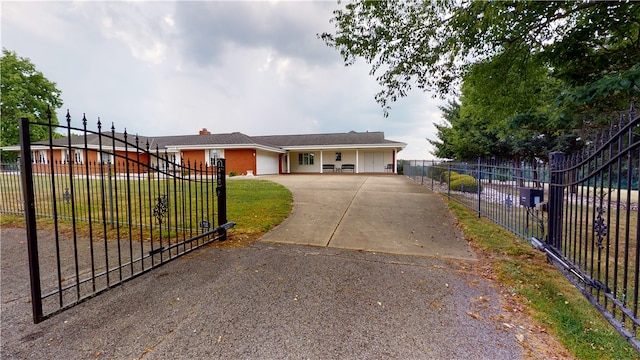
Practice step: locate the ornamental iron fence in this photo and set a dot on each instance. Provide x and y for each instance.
(581, 210)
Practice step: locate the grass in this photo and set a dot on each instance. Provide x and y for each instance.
(256, 206)
(551, 300)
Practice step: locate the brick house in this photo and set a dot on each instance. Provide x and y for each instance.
(357, 152)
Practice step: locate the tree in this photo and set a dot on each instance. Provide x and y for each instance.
(432, 44)
(25, 93)
(508, 61)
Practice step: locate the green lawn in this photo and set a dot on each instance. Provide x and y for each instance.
(256, 206)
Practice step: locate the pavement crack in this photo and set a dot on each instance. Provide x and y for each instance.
(345, 211)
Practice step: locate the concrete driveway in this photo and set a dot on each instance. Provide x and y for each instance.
(381, 213)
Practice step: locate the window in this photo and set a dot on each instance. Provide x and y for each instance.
(338, 156)
(105, 157)
(77, 156)
(176, 158)
(214, 155)
(65, 156)
(39, 157)
(305, 159)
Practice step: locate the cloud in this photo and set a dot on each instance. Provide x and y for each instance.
(165, 68)
(209, 29)
(145, 28)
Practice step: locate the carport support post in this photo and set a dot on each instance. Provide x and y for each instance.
(30, 219)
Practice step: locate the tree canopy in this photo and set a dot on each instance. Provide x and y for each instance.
(26, 92)
(521, 69)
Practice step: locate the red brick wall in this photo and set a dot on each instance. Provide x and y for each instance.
(240, 160)
(90, 157)
(196, 157)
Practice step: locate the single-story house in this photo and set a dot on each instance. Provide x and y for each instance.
(357, 152)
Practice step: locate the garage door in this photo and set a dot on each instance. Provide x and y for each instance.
(373, 162)
(267, 163)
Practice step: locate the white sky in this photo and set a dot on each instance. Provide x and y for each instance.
(172, 68)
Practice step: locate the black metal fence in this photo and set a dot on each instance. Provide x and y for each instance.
(581, 210)
(492, 188)
(111, 211)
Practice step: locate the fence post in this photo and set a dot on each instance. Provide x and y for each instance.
(30, 219)
(432, 172)
(449, 180)
(556, 199)
(422, 174)
(479, 176)
(221, 192)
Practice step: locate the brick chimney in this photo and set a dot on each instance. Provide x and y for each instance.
(204, 131)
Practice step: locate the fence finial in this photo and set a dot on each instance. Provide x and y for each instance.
(632, 111)
(68, 117)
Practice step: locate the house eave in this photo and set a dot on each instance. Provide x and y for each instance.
(398, 146)
(176, 148)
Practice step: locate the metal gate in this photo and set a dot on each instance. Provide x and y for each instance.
(594, 225)
(102, 208)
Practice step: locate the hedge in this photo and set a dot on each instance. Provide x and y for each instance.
(464, 183)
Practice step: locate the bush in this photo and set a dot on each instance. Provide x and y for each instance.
(464, 183)
(450, 176)
(437, 172)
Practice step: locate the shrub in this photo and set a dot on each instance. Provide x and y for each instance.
(232, 173)
(464, 183)
(449, 176)
(437, 172)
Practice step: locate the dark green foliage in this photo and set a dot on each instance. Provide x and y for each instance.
(26, 93)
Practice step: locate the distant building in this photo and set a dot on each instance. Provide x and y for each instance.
(357, 152)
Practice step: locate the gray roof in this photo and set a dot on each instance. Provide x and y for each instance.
(93, 140)
(234, 138)
(351, 138)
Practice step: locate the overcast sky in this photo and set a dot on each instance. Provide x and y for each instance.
(172, 68)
